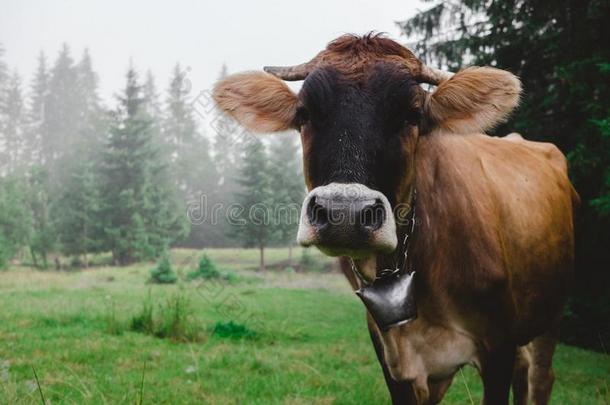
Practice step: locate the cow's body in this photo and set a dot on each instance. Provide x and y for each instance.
(493, 248)
(493, 255)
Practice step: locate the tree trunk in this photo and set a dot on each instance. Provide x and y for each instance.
(34, 257)
(262, 262)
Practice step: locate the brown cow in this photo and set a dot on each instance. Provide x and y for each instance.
(494, 241)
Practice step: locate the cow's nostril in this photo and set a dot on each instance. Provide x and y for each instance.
(317, 214)
(372, 216)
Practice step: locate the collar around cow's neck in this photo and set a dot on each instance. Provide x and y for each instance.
(403, 264)
(389, 298)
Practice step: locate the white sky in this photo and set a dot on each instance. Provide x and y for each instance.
(246, 35)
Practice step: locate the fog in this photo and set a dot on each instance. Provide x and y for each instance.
(201, 35)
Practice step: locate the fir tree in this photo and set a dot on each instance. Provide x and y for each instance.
(193, 170)
(288, 188)
(180, 127)
(75, 207)
(91, 123)
(152, 107)
(3, 68)
(77, 212)
(227, 151)
(62, 116)
(141, 215)
(227, 146)
(36, 124)
(15, 220)
(254, 225)
(3, 95)
(42, 237)
(12, 109)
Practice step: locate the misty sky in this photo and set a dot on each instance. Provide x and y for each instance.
(199, 34)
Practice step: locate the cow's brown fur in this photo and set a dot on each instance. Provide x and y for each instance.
(492, 95)
(494, 251)
(259, 101)
(353, 55)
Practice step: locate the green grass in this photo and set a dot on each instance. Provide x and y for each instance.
(277, 337)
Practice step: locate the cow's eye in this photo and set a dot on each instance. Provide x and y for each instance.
(301, 117)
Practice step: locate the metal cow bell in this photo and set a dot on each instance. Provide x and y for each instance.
(389, 298)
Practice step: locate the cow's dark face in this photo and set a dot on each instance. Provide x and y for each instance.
(359, 141)
(360, 113)
(359, 132)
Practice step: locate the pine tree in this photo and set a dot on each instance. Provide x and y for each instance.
(91, 123)
(15, 222)
(3, 68)
(228, 148)
(139, 209)
(180, 127)
(62, 115)
(166, 185)
(4, 153)
(227, 151)
(42, 237)
(36, 125)
(75, 205)
(77, 212)
(193, 170)
(253, 227)
(287, 186)
(152, 107)
(12, 109)
(4, 77)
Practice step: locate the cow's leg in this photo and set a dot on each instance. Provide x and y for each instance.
(520, 377)
(497, 373)
(401, 392)
(438, 389)
(541, 375)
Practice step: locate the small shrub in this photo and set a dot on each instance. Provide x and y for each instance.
(113, 326)
(144, 322)
(206, 270)
(163, 272)
(173, 320)
(230, 277)
(233, 330)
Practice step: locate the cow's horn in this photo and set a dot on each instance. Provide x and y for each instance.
(290, 73)
(294, 73)
(432, 75)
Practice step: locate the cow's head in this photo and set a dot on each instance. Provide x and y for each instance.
(360, 112)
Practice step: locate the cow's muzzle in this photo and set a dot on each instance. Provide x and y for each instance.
(347, 220)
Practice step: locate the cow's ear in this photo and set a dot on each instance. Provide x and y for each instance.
(473, 100)
(257, 100)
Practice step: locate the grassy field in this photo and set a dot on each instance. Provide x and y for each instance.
(294, 339)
